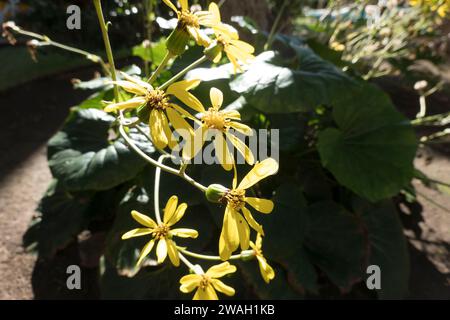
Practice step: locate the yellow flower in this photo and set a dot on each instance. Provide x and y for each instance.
(266, 270)
(162, 233)
(207, 283)
(235, 229)
(227, 38)
(219, 122)
(191, 21)
(158, 105)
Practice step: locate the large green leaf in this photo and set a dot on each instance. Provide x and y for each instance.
(388, 248)
(62, 216)
(285, 229)
(372, 150)
(83, 156)
(335, 243)
(306, 83)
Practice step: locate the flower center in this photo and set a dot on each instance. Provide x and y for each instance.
(214, 119)
(187, 19)
(161, 231)
(204, 282)
(235, 198)
(157, 99)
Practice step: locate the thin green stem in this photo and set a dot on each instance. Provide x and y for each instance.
(182, 72)
(161, 67)
(109, 53)
(155, 163)
(275, 26)
(47, 41)
(195, 268)
(245, 253)
(156, 189)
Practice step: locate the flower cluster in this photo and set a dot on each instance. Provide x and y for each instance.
(171, 107)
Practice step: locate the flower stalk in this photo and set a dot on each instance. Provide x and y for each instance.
(109, 53)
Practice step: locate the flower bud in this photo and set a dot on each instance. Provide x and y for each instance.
(213, 52)
(247, 255)
(215, 192)
(177, 41)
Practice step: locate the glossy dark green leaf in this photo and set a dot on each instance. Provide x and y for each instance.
(308, 82)
(388, 247)
(335, 243)
(84, 156)
(62, 216)
(372, 150)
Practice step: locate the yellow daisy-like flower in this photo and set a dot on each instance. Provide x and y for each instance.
(191, 21)
(266, 270)
(162, 233)
(219, 122)
(160, 107)
(238, 51)
(235, 229)
(207, 283)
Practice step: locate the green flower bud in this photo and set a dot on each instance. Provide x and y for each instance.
(215, 192)
(177, 41)
(213, 51)
(247, 255)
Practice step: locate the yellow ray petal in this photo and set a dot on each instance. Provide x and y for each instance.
(161, 250)
(131, 87)
(137, 81)
(183, 112)
(143, 219)
(156, 128)
(180, 91)
(251, 221)
(136, 233)
(232, 114)
(181, 126)
(189, 282)
(231, 229)
(244, 129)
(173, 253)
(224, 251)
(260, 171)
(244, 232)
(171, 140)
(243, 46)
(184, 5)
(171, 5)
(184, 233)
(222, 287)
(216, 97)
(194, 143)
(236, 66)
(179, 213)
(222, 151)
(220, 270)
(169, 210)
(214, 10)
(242, 148)
(205, 18)
(206, 294)
(241, 55)
(266, 270)
(262, 205)
(129, 104)
(258, 242)
(145, 251)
